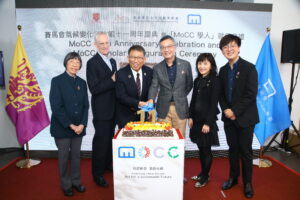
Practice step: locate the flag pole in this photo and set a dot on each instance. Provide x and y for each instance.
(27, 162)
(260, 161)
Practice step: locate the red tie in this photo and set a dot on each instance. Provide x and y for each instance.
(138, 84)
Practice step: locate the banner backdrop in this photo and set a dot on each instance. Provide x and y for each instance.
(50, 33)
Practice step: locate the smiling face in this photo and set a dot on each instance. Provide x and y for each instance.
(73, 66)
(136, 59)
(168, 49)
(204, 67)
(231, 51)
(102, 44)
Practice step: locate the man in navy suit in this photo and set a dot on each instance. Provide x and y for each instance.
(100, 74)
(132, 86)
(239, 86)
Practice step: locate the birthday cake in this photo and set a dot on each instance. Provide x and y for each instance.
(147, 129)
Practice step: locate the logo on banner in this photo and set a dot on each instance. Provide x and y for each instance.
(144, 152)
(96, 17)
(172, 152)
(194, 19)
(268, 90)
(126, 152)
(121, 19)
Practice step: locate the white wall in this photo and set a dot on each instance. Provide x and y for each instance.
(8, 33)
(285, 16)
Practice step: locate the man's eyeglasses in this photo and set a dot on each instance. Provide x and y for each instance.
(231, 46)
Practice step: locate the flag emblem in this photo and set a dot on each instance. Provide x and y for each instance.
(24, 91)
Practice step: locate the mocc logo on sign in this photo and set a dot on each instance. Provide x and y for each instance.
(126, 152)
(194, 19)
(172, 153)
(144, 152)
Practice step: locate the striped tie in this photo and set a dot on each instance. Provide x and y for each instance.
(138, 84)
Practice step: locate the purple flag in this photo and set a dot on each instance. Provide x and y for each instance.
(25, 103)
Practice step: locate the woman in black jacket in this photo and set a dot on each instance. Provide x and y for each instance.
(69, 105)
(203, 114)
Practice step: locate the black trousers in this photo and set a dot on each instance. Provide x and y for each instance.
(240, 146)
(102, 146)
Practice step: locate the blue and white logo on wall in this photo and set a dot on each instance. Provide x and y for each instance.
(126, 152)
(194, 19)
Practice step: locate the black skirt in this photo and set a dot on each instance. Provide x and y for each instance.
(202, 139)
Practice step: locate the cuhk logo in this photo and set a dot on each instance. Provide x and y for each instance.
(96, 17)
(194, 19)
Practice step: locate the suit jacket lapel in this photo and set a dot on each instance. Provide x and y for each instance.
(113, 65)
(237, 74)
(164, 73)
(227, 68)
(103, 63)
(131, 79)
(179, 72)
(145, 78)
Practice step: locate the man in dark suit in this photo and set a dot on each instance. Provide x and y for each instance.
(132, 86)
(100, 74)
(172, 81)
(238, 79)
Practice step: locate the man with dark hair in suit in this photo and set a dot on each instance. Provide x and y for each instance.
(172, 81)
(239, 85)
(132, 86)
(100, 74)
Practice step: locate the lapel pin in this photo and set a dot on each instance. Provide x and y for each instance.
(237, 75)
(145, 74)
(78, 88)
(182, 72)
(129, 76)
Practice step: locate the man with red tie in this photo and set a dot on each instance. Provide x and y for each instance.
(132, 86)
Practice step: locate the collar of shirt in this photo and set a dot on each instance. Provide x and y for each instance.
(106, 60)
(173, 64)
(135, 75)
(234, 65)
(71, 76)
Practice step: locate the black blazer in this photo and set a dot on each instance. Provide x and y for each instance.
(244, 93)
(204, 103)
(126, 93)
(69, 104)
(102, 87)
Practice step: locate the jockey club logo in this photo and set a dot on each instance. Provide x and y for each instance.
(96, 17)
(24, 91)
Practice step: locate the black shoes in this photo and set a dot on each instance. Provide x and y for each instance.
(68, 192)
(229, 183)
(202, 182)
(248, 190)
(79, 188)
(100, 181)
